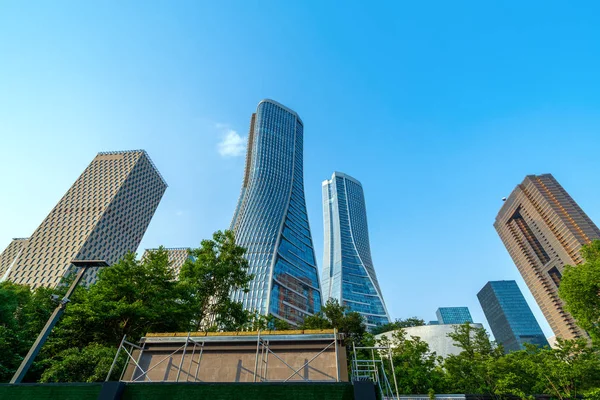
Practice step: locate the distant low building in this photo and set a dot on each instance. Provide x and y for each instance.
(453, 315)
(436, 336)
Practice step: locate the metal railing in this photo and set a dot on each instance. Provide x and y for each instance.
(373, 369)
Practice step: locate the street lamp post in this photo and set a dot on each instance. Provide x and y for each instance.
(83, 266)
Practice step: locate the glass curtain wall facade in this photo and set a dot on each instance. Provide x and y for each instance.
(453, 315)
(348, 272)
(509, 316)
(271, 222)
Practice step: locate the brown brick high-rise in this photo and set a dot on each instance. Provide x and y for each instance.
(102, 216)
(543, 229)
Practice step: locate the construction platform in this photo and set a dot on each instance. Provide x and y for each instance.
(260, 356)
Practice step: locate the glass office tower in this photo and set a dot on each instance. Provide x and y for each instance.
(453, 315)
(509, 316)
(348, 272)
(270, 220)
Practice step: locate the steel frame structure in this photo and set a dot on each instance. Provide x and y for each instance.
(260, 373)
(373, 369)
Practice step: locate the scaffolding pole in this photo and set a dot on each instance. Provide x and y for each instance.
(112, 366)
(256, 361)
(199, 360)
(187, 340)
(337, 359)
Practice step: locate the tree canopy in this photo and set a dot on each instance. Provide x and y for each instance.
(571, 369)
(132, 297)
(208, 277)
(397, 324)
(580, 290)
(335, 315)
(417, 368)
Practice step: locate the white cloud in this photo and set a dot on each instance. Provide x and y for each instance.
(232, 144)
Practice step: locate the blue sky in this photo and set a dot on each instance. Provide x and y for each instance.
(438, 108)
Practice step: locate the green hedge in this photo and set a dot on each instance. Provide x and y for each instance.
(245, 391)
(66, 391)
(161, 391)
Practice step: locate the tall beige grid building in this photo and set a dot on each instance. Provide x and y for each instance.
(177, 257)
(10, 255)
(543, 229)
(102, 216)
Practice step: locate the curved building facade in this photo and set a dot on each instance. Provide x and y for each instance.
(271, 222)
(348, 272)
(436, 336)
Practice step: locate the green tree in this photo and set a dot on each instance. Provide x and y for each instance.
(512, 373)
(134, 297)
(213, 271)
(349, 323)
(416, 368)
(130, 298)
(471, 370)
(258, 321)
(397, 324)
(571, 369)
(580, 290)
(23, 313)
(568, 371)
(13, 299)
(334, 315)
(89, 364)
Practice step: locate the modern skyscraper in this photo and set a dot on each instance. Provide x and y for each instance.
(348, 272)
(270, 220)
(543, 230)
(102, 216)
(177, 257)
(509, 316)
(453, 315)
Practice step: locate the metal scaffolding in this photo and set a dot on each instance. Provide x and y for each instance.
(372, 369)
(195, 346)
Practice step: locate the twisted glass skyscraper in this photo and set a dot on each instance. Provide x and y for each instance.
(348, 273)
(270, 220)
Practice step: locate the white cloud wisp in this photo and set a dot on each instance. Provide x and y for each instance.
(232, 144)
